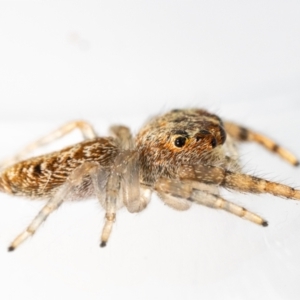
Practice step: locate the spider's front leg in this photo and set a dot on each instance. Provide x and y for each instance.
(236, 181)
(180, 194)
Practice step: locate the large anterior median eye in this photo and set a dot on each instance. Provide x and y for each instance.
(180, 141)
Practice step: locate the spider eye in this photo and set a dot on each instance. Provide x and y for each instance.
(214, 143)
(180, 141)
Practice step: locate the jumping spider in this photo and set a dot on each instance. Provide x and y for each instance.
(185, 156)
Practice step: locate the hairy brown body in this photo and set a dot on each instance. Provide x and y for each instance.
(40, 177)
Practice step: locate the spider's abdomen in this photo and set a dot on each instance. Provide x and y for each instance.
(39, 177)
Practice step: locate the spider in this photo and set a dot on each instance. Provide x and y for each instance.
(185, 156)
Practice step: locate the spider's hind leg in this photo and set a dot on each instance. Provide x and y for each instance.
(243, 134)
(87, 168)
(86, 129)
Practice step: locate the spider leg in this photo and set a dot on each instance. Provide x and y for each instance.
(110, 205)
(113, 191)
(134, 196)
(73, 180)
(243, 134)
(174, 201)
(123, 182)
(215, 201)
(174, 193)
(87, 131)
(236, 181)
(182, 193)
(123, 136)
(130, 186)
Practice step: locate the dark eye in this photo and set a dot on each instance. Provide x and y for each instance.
(214, 143)
(180, 141)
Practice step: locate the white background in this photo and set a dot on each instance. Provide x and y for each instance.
(122, 62)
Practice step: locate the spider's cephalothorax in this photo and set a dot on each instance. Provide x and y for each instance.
(185, 156)
(190, 136)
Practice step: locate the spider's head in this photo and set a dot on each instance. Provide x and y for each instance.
(187, 136)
